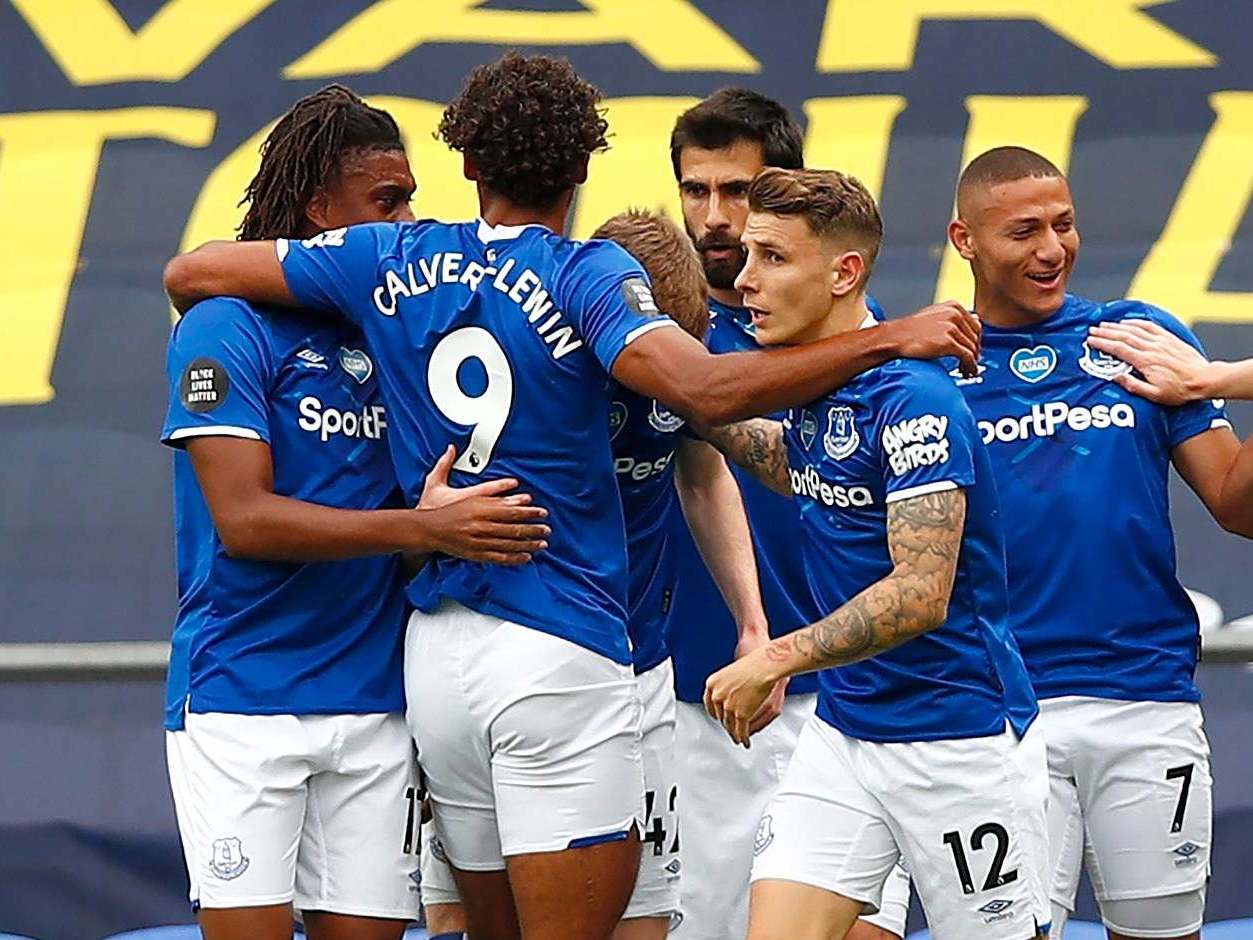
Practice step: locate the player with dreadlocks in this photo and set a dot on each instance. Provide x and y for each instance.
(290, 763)
(500, 334)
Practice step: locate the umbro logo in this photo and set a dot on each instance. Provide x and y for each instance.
(995, 907)
(1186, 854)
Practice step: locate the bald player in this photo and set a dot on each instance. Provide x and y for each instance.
(1108, 633)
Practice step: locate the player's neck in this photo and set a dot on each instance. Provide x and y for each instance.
(496, 209)
(727, 296)
(999, 311)
(846, 315)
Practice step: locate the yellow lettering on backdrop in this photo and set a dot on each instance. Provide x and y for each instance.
(94, 46)
(635, 170)
(1178, 270)
(1045, 125)
(442, 192)
(673, 34)
(852, 135)
(48, 163)
(872, 36)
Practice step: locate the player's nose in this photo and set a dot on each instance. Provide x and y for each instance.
(717, 218)
(746, 280)
(1050, 249)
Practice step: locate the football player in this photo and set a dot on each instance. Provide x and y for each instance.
(921, 746)
(500, 334)
(1107, 631)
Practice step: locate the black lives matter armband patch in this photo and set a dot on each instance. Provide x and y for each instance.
(204, 386)
(639, 297)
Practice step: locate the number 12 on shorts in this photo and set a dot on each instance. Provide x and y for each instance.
(995, 877)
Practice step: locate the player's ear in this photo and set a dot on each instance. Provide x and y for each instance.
(847, 269)
(959, 235)
(580, 174)
(468, 169)
(317, 210)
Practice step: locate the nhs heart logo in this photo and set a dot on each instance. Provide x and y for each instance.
(357, 364)
(1033, 365)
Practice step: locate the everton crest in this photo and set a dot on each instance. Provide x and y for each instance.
(228, 860)
(663, 419)
(841, 438)
(1100, 364)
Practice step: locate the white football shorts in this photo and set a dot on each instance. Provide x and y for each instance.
(657, 887)
(1130, 799)
(967, 816)
(724, 789)
(530, 743)
(316, 810)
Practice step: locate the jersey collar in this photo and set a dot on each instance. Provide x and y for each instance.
(495, 233)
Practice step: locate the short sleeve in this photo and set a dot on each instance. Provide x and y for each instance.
(1189, 420)
(926, 434)
(219, 371)
(608, 295)
(338, 269)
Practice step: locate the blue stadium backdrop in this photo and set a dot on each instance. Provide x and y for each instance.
(129, 127)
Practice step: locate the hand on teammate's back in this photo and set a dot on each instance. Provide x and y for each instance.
(481, 522)
(943, 329)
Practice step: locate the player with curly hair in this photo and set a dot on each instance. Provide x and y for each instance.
(291, 766)
(499, 335)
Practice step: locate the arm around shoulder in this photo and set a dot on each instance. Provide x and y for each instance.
(251, 270)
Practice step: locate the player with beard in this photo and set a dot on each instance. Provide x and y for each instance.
(717, 147)
(500, 334)
(1107, 631)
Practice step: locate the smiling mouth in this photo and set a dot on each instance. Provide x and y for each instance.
(1047, 279)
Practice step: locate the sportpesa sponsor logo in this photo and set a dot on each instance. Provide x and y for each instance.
(1044, 420)
(807, 482)
(369, 423)
(642, 469)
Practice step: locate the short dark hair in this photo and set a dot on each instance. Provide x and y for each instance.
(1005, 165)
(732, 114)
(671, 261)
(304, 151)
(834, 204)
(528, 125)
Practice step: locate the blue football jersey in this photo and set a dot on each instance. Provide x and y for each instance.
(500, 340)
(263, 637)
(896, 432)
(644, 435)
(702, 633)
(1082, 468)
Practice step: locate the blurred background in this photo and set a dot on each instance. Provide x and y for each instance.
(128, 129)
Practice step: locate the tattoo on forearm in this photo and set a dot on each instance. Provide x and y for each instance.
(924, 537)
(757, 446)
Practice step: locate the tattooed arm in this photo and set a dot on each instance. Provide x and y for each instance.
(757, 446)
(924, 539)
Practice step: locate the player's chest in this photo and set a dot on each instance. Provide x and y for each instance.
(643, 434)
(834, 455)
(1042, 390)
(325, 396)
